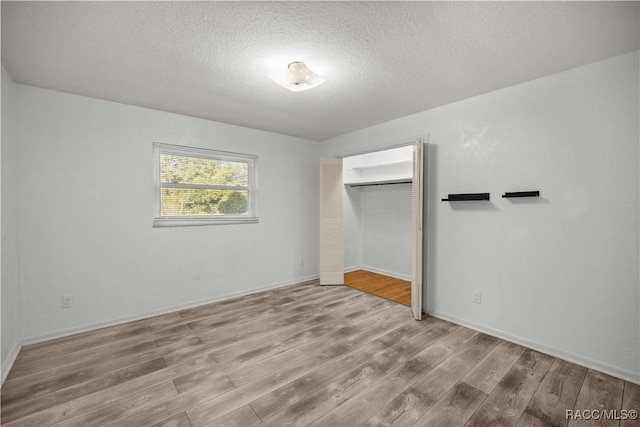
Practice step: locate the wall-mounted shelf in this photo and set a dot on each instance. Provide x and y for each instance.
(521, 194)
(465, 197)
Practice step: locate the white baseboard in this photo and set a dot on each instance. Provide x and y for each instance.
(385, 272)
(625, 374)
(8, 362)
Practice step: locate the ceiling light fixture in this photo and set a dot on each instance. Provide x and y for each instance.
(297, 77)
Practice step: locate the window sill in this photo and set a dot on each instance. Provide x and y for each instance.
(191, 221)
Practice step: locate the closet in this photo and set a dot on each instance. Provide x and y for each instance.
(371, 217)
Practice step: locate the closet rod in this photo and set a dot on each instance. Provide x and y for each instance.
(368, 184)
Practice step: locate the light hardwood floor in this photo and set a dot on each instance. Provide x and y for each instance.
(393, 289)
(300, 355)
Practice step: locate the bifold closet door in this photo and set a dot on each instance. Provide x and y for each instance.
(417, 195)
(331, 252)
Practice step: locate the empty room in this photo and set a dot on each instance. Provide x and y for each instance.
(320, 213)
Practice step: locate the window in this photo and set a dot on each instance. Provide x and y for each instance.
(196, 186)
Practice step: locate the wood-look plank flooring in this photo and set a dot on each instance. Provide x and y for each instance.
(390, 288)
(297, 356)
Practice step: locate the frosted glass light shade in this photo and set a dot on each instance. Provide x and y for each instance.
(297, 77)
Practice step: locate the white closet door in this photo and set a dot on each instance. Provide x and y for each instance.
(416, 217)
(331, 257)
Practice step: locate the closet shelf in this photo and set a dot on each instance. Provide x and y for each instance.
(466, 196)
(383, 165)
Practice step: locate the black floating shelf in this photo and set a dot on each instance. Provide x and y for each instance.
(468, 196)
(522, 194)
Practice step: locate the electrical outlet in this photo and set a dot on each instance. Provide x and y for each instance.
(67, 301)
(301, 262)
(477, 298)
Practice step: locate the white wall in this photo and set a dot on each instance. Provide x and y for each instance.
(85, 204)
(9, 279)
(558, 273)
(377, 229)
(385, 232)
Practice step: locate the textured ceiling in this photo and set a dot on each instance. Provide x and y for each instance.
(382, 60)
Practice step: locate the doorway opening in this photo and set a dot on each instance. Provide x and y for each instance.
(377, 222)
(339, 212)
(371, 216)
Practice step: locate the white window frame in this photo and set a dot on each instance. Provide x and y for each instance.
(187, 220)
